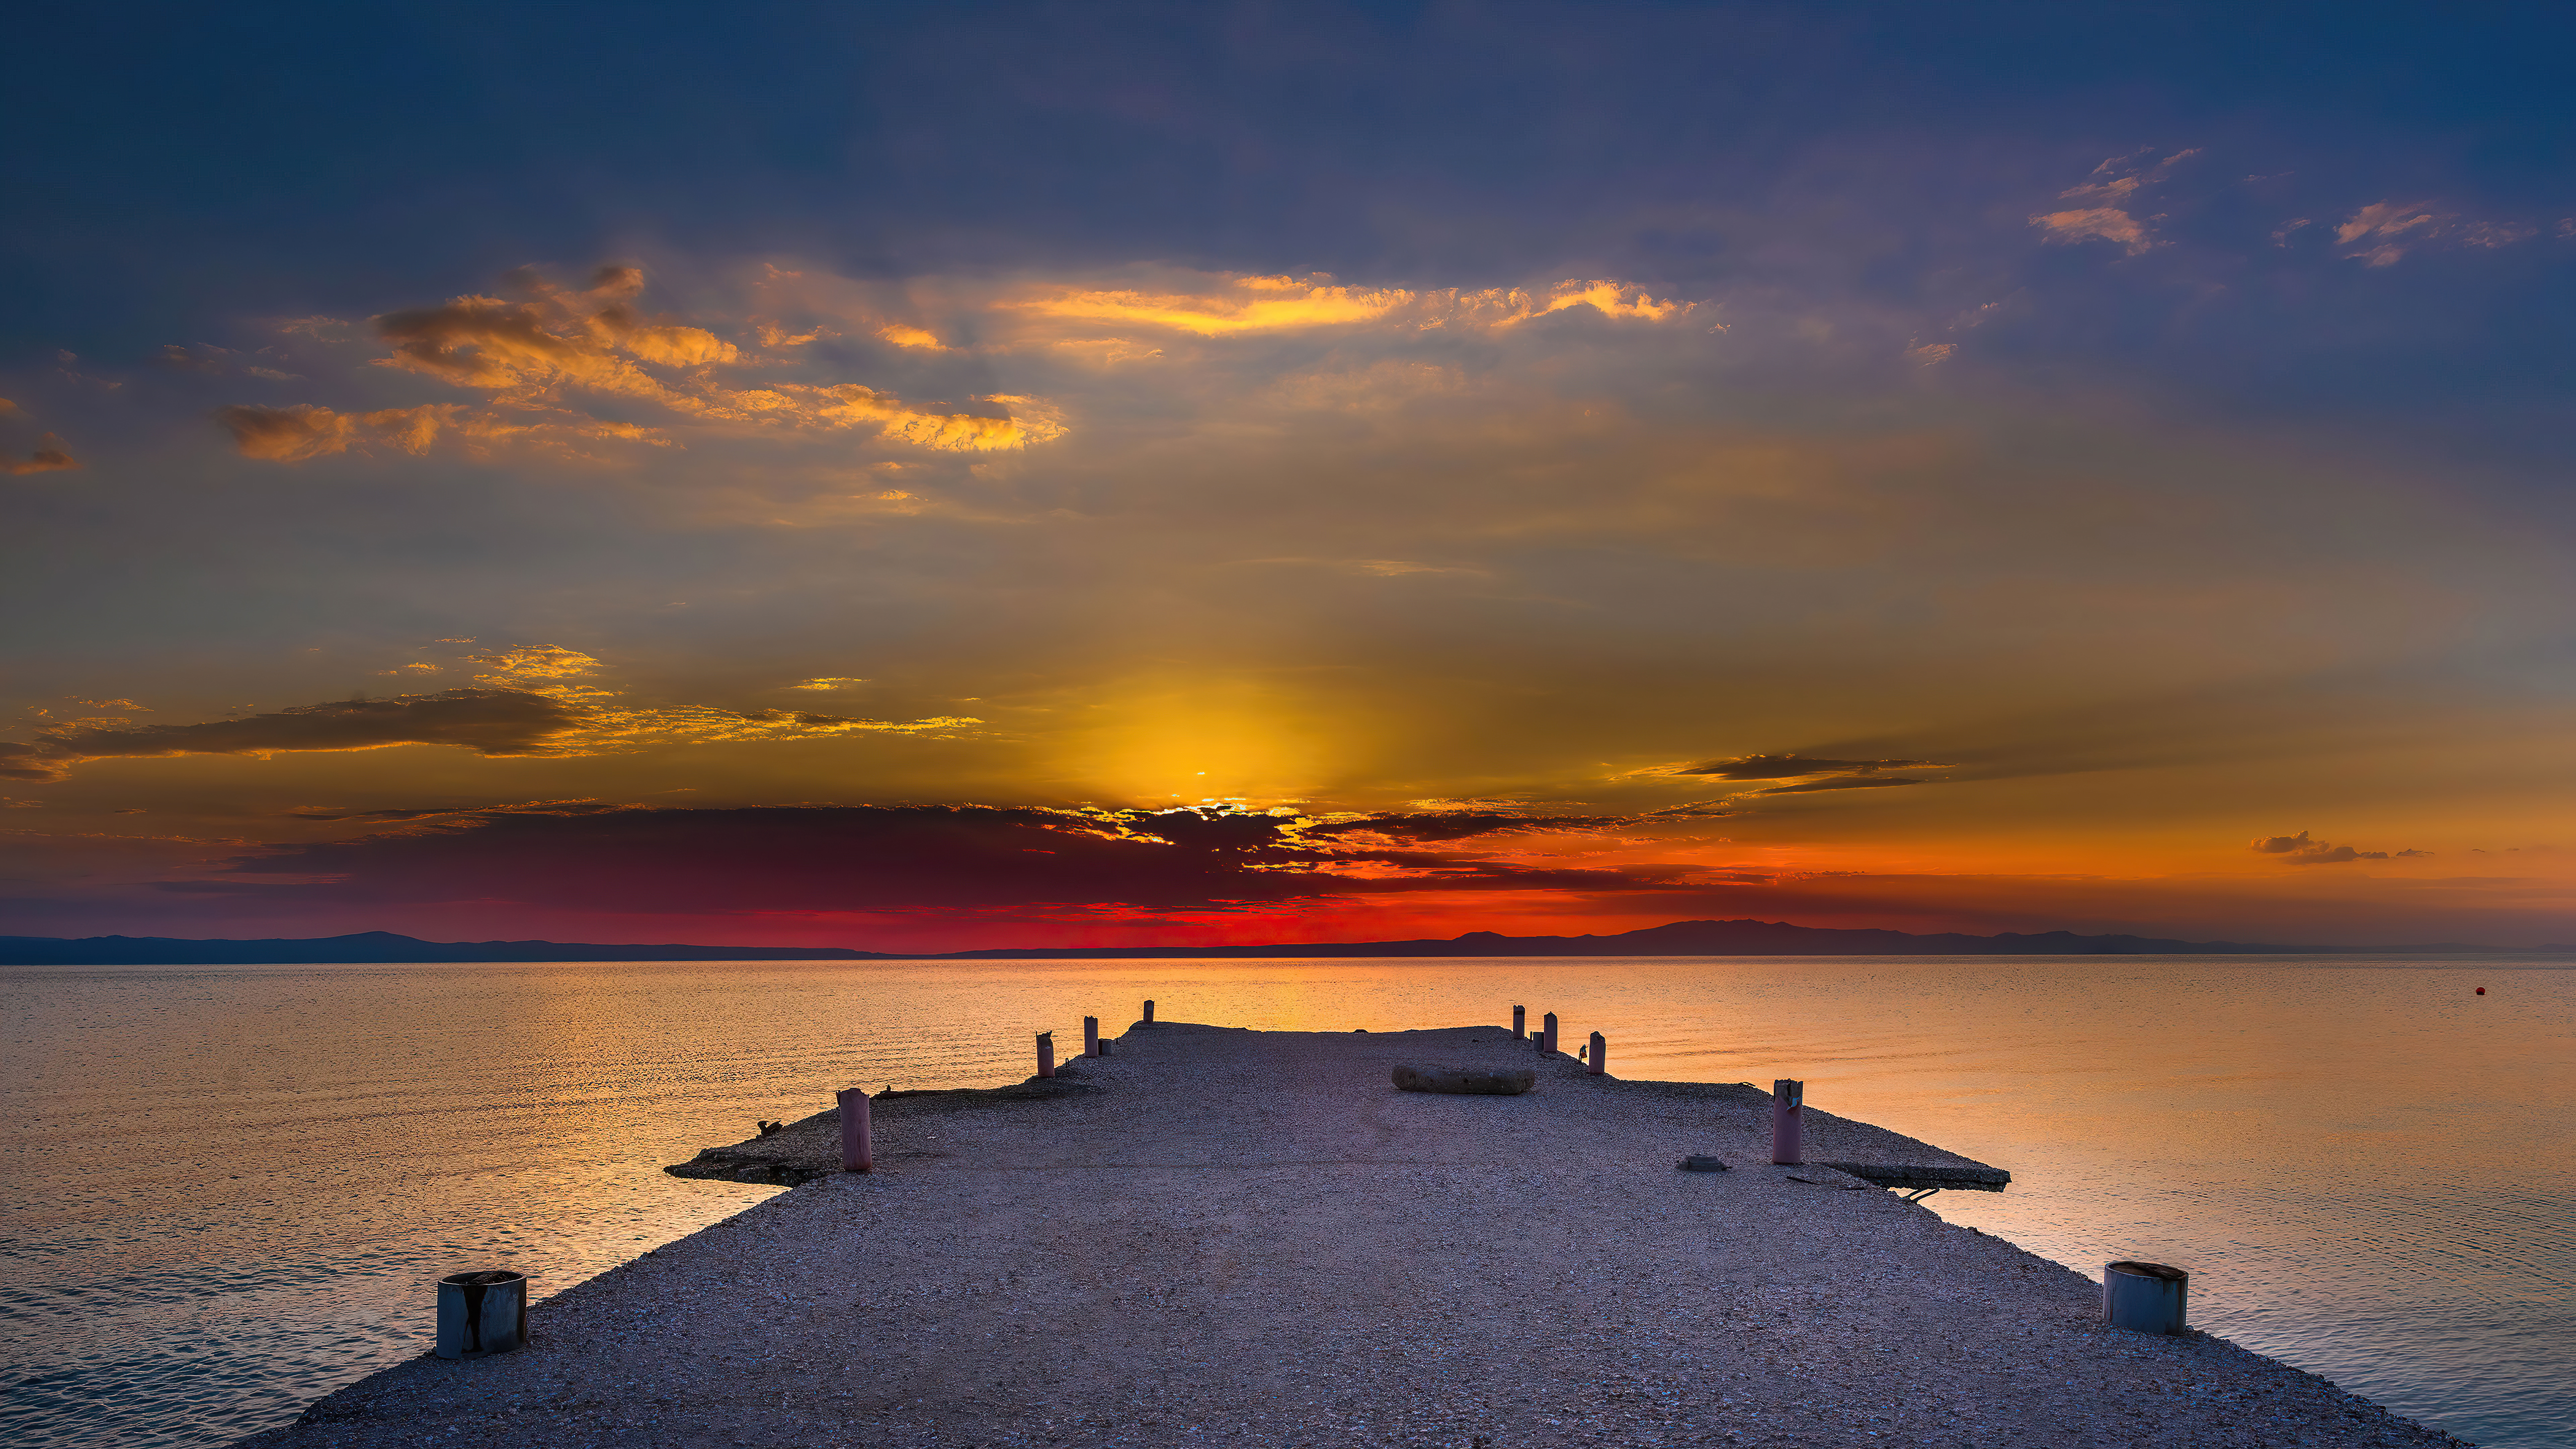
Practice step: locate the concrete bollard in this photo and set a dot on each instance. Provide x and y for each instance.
(1600, 1048)
(1520, 1021)
(1091, 1036)
(2146, 1297)
(1788, 1139)
(480, 1313)
(1547, 1038)
(1046, 1054)
(1149, 1012)
(858, 1154)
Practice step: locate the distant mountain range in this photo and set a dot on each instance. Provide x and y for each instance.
(368, 947)
(1681, 938)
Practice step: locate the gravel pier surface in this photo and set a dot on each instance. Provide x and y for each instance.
(1251, 1238)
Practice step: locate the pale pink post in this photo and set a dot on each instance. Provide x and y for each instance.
(857, 1155)
(1091, 1036)
(1046, 1054)
(1787, 1144)
(1520, 1021)
(1547, 1034)
(1599, 1048)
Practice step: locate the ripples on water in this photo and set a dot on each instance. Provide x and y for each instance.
(227, 1189)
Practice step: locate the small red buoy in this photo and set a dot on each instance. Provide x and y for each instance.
(2482, 991)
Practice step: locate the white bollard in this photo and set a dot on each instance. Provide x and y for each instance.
(858, 1151)
(2146, 1297)
(1788, 1128)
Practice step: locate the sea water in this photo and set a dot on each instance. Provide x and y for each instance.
(227, 1190)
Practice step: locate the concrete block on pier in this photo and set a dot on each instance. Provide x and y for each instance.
(1464, 1081)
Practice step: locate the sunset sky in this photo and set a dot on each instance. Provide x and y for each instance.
(992, 475)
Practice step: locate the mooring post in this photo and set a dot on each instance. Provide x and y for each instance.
(2147, 1297)
(1091, 1036)
(1787, 1140)
(857, 1154)
(1520, 1021)
(1046, 1054)
(1547, 1034)
(1599, 1049)
(1149, 1011)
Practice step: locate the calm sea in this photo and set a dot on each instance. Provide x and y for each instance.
(226, 1190)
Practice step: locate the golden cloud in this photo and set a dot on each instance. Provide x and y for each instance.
(679, 346)
(1229, 304)
(851, 404)
(1610, 299)
(536, 351)
(304, 432)
(1239, 304)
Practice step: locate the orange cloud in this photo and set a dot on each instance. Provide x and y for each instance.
(2102, 212)
(2095, 223)
(1226, 305)
(1248, 304)
(304, 432)
(1610, 299)
(853, 405)
(535, 352)
(2383, 232)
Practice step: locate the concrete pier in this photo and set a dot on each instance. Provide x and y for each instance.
(1220, 1237)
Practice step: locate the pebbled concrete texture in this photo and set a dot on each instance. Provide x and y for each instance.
(1254, 1238)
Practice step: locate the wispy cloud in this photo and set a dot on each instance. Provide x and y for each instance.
(304, 432)
(2106, 203)
(557, 366)
(538, 700)
(2382, 233)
